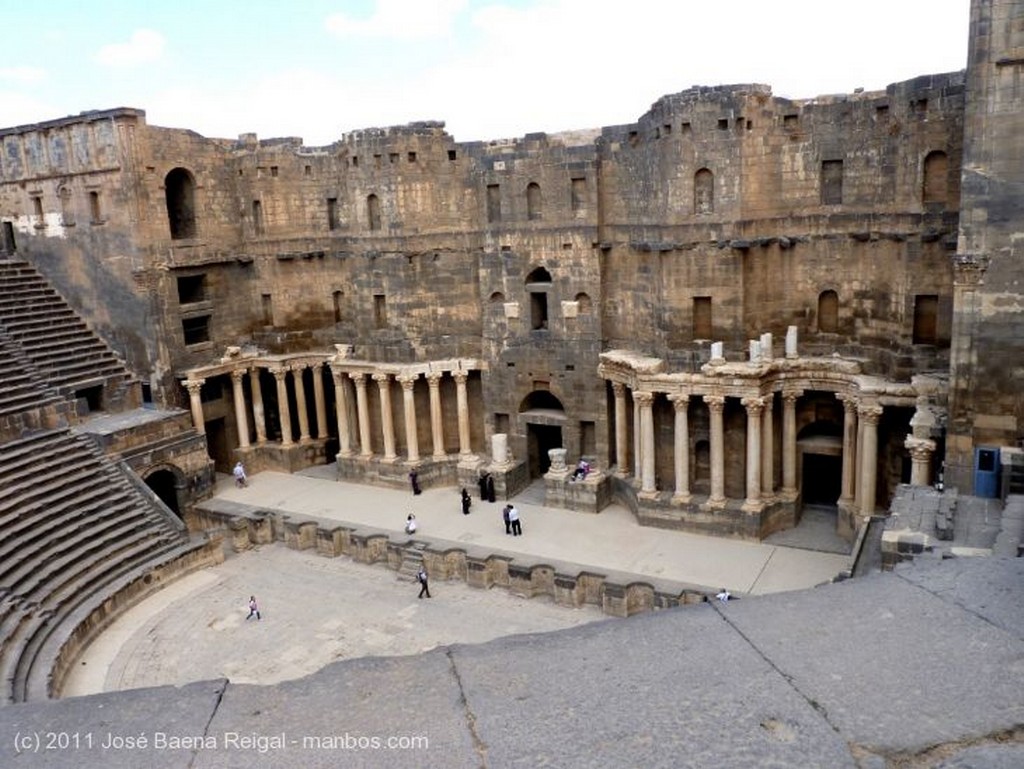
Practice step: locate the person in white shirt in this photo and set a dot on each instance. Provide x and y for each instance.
(513, 519)
(410, 524)
(239, 473)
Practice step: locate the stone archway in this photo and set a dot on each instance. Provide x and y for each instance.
(167, 483)
(543, 416)
(820, 452)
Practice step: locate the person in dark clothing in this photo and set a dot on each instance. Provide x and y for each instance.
(482, 483)
(414, 481)
(490, 488)
(506, 519)
(467, 501)
(424, 587)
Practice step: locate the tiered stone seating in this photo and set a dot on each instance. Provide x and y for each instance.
(21, 387)
(80, 537)
(73, 529)
(65, 351)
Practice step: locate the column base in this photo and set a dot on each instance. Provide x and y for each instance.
(681, 499)
(788, 496)
(648, 494)
(391, 460)
(752, 506)
(715, 504)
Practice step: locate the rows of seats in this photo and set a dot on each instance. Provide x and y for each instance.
(61, 346)
(71, 526)
(75, 527)
(21, 387)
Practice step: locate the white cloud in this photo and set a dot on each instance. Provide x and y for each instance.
(143, 46)
(23, 75)
(399, 19)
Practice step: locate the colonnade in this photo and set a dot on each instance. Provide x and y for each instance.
(349, 435)
(861, 417)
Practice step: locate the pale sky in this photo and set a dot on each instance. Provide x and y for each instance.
(488, 68)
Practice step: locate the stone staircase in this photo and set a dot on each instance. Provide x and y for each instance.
(65, 353)
(412, 561)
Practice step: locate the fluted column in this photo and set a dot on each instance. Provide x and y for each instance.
(768, 447)
(754, 407)
(921, 450)
(870, 414)
(238, 395)
(462, 401)
(319, 403)
(341, 412)
(283, 409)
(645, 400)
(258, 412)
(299, 382)
(681, 447)
(789, 400)
(716, 407)
(409, 403)
(638, 451)
(363, 410)
(436, 415)
(194, 387)
(847, 487)
(387, 422)
(621, 431)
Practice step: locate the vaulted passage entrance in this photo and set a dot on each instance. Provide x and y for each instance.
(544, 417)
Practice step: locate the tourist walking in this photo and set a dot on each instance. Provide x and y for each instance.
(410, 524)
(506, 519)
(467, 501)
(254, 608)
(424, 587)
(513, 518)
(239, 473)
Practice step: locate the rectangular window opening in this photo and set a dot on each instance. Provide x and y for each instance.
(452, 155)
(412, 157)
(332, 213)
(926, 312)
(191, 289)
(196, 330)
(702, 328)
(267, 302)
(493, 203)
(380, 311)
(95, 212)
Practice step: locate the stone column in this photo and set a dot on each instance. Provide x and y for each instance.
(716, 405)
(436, 415)
(258, 413)
(768, 444)
(194, 386)
(847, 491)
(645, 401)
(637, 443)
(387, 422)
(681, 447)
(241, 420)
(870, 414)
(754, 407)
(283, 410)
(621, 433)
(300, 400)
(341, 412)
(409, 403)
(921, 450)
(363, 409)
(318, 400)
(789, 400)
(465, 450)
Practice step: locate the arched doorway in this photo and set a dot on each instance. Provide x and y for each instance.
(164, 483)
(179, 187)
(544, 417)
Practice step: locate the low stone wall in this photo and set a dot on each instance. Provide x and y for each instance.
(618, 594)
